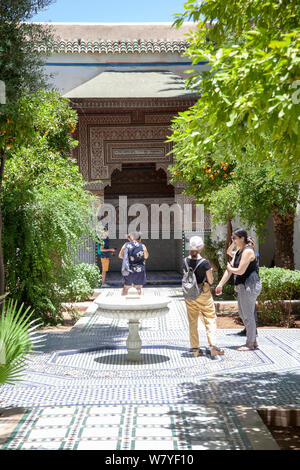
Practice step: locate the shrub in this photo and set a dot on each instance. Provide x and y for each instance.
(79, 281)
(280, 286)
(90, 272)
(227, 292)
(280, 283)
(214, 251)
(78, 290)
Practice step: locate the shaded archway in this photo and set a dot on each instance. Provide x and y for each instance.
(139, 181)
(143, 183)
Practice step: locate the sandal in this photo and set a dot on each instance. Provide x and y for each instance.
(197, 352)
(214, 351)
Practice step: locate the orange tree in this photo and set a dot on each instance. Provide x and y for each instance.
(20, 73)
(247, 109)
(252, 87)
(204, 172)
(234, 187)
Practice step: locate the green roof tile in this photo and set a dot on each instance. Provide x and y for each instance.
(102, 46)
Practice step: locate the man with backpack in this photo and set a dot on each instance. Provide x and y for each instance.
(196, 283)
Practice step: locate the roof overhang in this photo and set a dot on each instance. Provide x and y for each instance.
(141, 84)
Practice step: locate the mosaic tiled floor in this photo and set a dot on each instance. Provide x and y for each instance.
(80, 392)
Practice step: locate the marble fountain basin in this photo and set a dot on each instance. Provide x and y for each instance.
(134, 308)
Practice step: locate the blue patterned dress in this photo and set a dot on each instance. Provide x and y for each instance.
(137, 270)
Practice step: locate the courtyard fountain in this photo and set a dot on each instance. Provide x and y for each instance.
(134, 308)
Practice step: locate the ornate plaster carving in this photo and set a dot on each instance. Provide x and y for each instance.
(140, 139)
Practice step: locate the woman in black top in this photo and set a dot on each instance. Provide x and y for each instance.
(248, 286)
(231, 252)
(204, 304)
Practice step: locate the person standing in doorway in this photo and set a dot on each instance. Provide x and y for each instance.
(105, 252)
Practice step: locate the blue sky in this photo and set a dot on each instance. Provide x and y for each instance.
(111, 11)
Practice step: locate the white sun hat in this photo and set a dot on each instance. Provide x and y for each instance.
(196, 243)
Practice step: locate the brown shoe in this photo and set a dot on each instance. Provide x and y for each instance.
(214, 351)
(197, 352)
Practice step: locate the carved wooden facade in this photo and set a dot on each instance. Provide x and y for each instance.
(119, 135)
(113, 132)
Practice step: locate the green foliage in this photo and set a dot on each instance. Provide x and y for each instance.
(249, 93)
(78, 290)
(16, 340)
(280, 284)
(224, 203)
(42, 116)
(274, 312)
(227, 292)
(253, 194)
(46, 210)
(14, 11)
(90, 272)
(214, 251)
(262, 191)
(79, 281)
(21, 67)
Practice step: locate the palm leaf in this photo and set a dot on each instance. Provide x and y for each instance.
(18, 339)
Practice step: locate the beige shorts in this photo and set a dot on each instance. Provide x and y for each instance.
(105, 264)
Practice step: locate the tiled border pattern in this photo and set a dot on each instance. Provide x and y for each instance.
(129, 427)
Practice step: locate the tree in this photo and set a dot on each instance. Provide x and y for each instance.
(247, 96)
(21, 72)
(20, 64)
(46, 209)
(261, 193)
(249, 91)
(251, 191)
(205, 173)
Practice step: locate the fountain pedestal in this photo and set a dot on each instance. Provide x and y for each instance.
(134, 342)
(133, 308)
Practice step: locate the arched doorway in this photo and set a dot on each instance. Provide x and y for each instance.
(144, 184)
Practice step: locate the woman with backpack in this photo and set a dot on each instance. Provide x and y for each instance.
(136, 254)
(198, 298)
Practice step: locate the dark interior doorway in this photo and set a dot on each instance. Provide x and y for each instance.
(141, 182)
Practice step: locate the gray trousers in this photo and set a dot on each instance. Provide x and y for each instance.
(246, 303)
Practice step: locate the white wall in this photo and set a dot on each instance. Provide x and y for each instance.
(70, 76)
